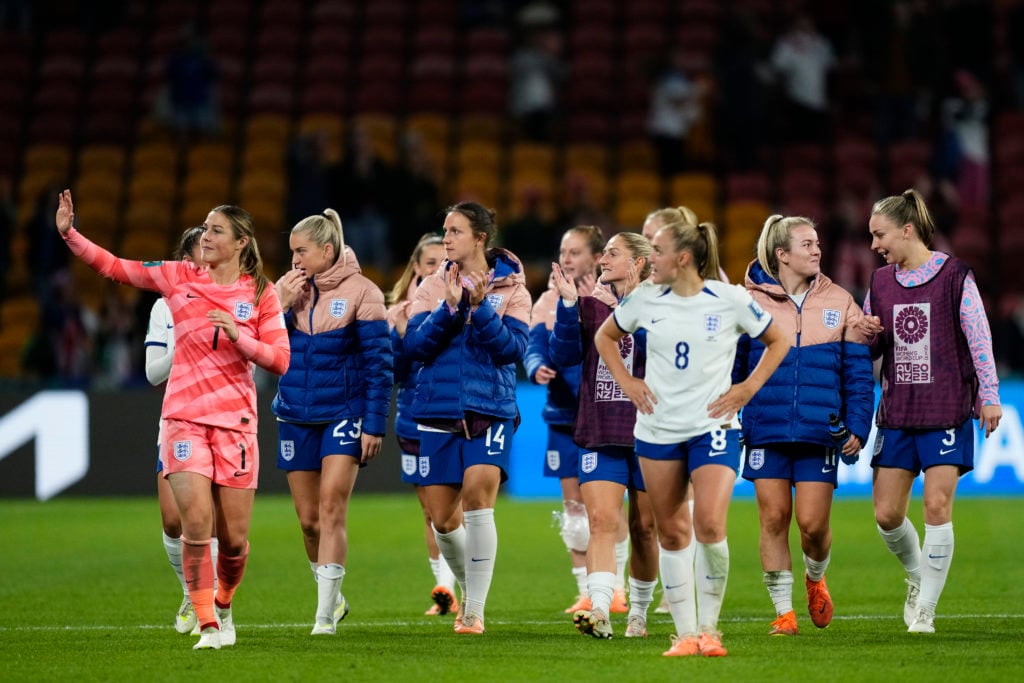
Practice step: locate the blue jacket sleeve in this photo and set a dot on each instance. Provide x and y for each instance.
(402, 363)
(536, 351)
(428, 334)
(741, 366)
(858, 389)
(375, 350)
(504, 339)
(565, 341)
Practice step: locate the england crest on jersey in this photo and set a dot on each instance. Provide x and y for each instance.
(287, 450)
(338, 307)
(424, 466)
(831, 317)
(243, 310)
(495, 300)
(554, 460)
(182, 450)
(712, 323)
(409, 464)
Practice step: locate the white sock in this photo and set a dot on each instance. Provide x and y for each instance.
(453, 549)
(621, 558)
(780, 589)
(693, 529)
(641, 594)
(173, 548)
(214, 549)
(580, 574)
(938, 555)
(313, 566)
(816, 568)
(905, 544)
(677, 574)
(328, 585)
(712, 572)
(443, 575)
(600, 586)
(481, 547)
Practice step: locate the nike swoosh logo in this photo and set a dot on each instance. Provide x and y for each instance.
(240, 474)
(936, 557)
(170, 327)
(668, 587)
(713, 578)
(479, 559)
(345, 443)
(656, 320)
(493, 452)
(946, 451)
(712, 454)
(191, 296)
(827, 470)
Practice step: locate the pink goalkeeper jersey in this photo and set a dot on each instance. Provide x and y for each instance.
(208, 386)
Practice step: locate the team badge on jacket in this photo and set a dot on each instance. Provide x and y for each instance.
(338, 307)
(495, 300)
(243, 310)
(831, 317)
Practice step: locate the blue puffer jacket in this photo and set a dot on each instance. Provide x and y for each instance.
(341, 364)
(827, 369)
(469, 357)
(560, 407)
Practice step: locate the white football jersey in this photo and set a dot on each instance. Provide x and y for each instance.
(691, 346)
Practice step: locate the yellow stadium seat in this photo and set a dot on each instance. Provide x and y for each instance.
(210, 157)
(691, 187)
(636, 185)
(101, 157)
(478, 157)
(268, 128)
(155, 157)
(434, 128)
(532, 157)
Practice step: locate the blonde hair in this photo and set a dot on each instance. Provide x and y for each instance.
(908, 207)
(777, 234)
(398, 292)
(249, 260)
(674, 214)
(323, 229)
(639, 247)
(700, 239)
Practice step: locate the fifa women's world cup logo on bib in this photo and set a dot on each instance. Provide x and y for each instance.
(605, 387)
(912, 354)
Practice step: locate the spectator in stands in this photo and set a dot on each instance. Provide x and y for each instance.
(535, 76)
(190, 97)
(361, 188)
(802, 59)
(675, 108)
(964, 156)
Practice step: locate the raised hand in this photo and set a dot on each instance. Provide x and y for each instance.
(452, 285)
(477, 283)
(586, 284)
(291, 286)
(565, 286)
(65, 212)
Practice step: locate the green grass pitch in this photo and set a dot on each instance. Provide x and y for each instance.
(87, 595)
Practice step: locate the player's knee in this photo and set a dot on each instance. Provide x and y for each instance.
(574, 525)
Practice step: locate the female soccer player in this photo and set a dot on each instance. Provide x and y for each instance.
(226, 318)
(686, 429)
(933, 337)
(159, 354)
(577, 257)
(786, 424)
(426, 258)
(332, 404)
(603, 427)
(468, 327)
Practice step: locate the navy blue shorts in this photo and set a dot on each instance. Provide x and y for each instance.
(563, 455)
(919, 449)
(793, 462)
(445, 456)
(301, 447)
(717, 447)
(617, 464)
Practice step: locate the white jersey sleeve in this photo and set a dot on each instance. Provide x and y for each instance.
(159, 343)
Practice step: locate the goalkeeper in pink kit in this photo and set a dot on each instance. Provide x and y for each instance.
(226, 318)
